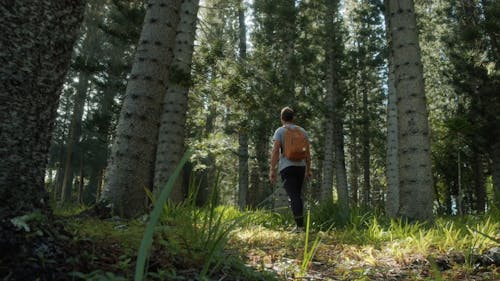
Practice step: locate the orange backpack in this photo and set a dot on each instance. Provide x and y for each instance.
(296, 144)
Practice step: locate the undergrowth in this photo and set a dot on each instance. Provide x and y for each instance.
(216, 242)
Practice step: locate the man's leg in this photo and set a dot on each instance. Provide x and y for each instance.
(292, 182)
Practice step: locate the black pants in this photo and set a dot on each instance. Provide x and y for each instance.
(293, 179)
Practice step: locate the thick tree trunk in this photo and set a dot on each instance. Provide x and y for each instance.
(171, 136)
(131, 166)
(37, 41)
(392, 161)
(36, 44)
(75, 131)
(415, 175)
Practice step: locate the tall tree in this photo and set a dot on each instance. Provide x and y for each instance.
(334, 138)
(79, 98)
(121, 26)
(131, 167)
(416, 191)
(392, 170)
(37, 42)
(473, 55)
(171, 138)
(243, 132)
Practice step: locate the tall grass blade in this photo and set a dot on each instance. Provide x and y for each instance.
(147, 239)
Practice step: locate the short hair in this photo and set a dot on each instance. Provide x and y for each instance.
(287, 114)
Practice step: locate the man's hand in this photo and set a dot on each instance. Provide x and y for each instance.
(272, 176)
(308, 174)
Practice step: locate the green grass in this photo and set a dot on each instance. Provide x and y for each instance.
(213, 240)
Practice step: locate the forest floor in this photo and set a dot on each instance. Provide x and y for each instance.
(107, 250)
(282, 252)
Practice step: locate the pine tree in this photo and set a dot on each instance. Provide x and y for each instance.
(416, 190)
(171, 136)
(131, 166)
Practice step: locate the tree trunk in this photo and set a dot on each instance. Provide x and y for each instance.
(242, 134)
(354, 168)
(242, 169)
(105, 115)
(131, 166)
(75, 131)
(335, 100)
(80, 182)
(171, 136)
(37, 41)
(262, 189)
(415, 175)
(496, 172)
(479, 188)
(365, 143)
(392, 166)
(392, 161)
(329, 146)
(354, 151)
(60, 164)
(290, 34)
(340, 169)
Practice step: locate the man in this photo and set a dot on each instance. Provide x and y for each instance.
(292, 172)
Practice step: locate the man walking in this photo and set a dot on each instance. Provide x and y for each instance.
(292, 167)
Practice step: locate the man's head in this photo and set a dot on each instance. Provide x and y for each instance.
(287, 114)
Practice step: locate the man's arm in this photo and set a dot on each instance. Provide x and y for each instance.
(308, 161)
(275, 155)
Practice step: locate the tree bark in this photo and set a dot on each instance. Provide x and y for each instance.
(171, 136)
(392, 166)
(131, 166)
(36, 45)
(415, 175)
(329, 146)
(335, 120)
(37, 41)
